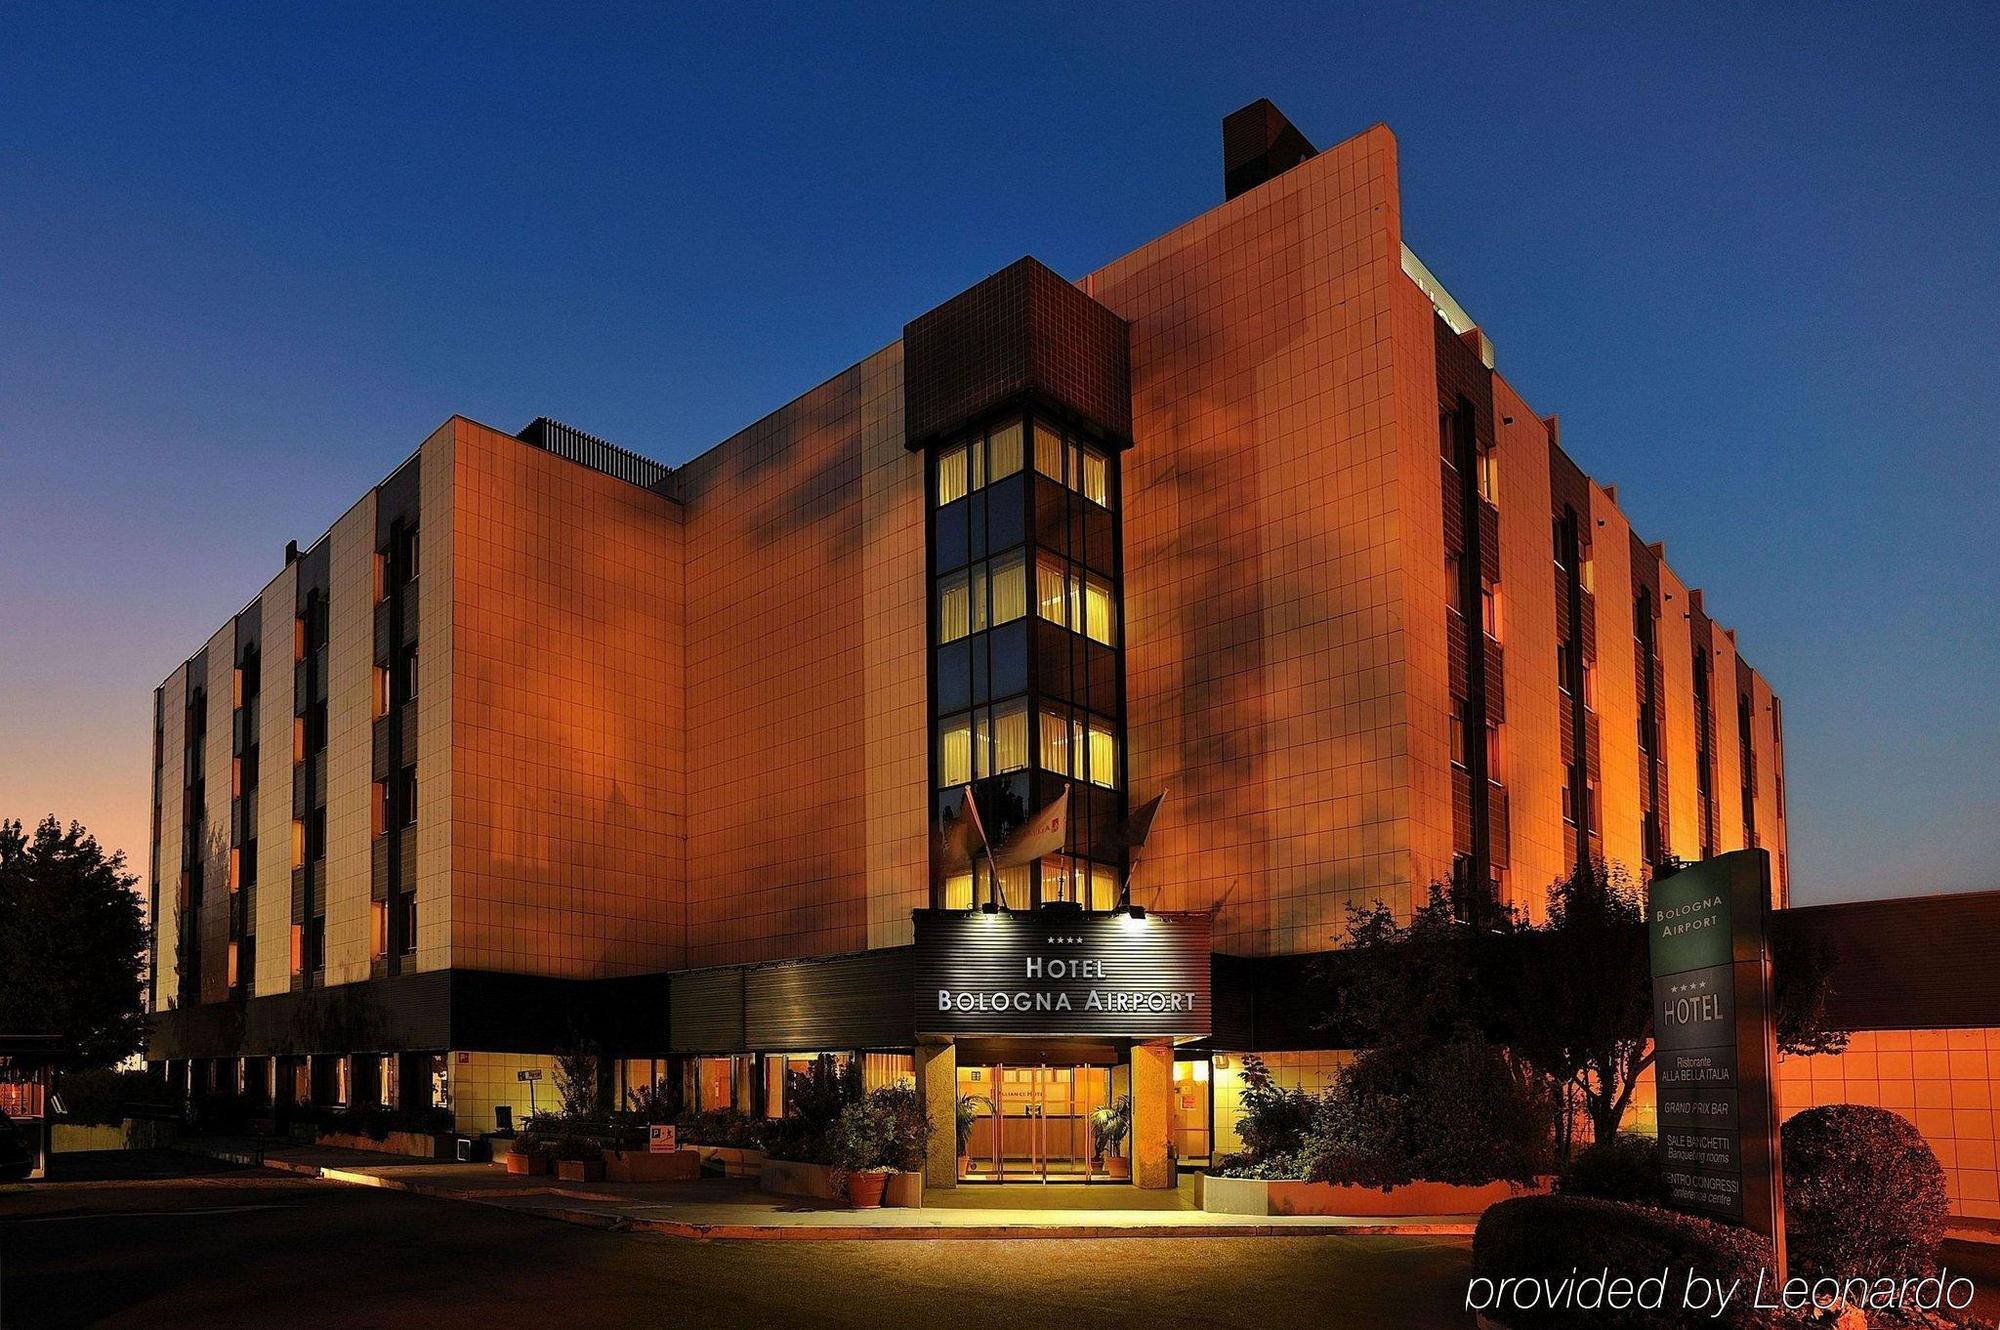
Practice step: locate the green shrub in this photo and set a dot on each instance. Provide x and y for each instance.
(578, 1149)
(1864, 1195)
(1275, 1121)
(1624, 1168)
(720, 1126)
(906, 1127)
(1558, 1237)
(1464, 1114)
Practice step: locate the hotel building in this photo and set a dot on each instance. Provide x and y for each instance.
(1230, 583)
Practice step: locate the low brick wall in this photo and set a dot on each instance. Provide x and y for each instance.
(417, 1145)
(1256, 1196)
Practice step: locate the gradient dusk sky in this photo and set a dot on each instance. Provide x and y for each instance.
(250, 256)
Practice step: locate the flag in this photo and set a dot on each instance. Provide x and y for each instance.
(966, 836)
(1045, 833)
(1140, 824)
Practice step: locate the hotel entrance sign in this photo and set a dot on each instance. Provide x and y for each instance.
(1715, 1052)
(1035, 973)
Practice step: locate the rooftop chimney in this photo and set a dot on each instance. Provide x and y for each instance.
(1259, 144)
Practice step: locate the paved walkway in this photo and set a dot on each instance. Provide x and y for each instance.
(736, 1209)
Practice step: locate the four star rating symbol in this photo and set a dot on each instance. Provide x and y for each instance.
(1066, 941)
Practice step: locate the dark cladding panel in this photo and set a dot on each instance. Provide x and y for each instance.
(1062, 974)
(406, 1013)
(844, 1002)
(1908, 964)
(1258, 144)
(1022, 333)
(705, 1012)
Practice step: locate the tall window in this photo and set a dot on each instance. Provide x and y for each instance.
(1072, 463)
(1079, 601)
(986, 741)
(1080, 746)
(983, 596)
(978, 461)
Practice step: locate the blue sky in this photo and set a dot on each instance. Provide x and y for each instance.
(250, 255)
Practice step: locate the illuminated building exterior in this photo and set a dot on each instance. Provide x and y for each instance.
(1236, 556)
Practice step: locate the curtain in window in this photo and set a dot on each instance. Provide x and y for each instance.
(952, 475)
(1051, 594)
(955, 751)
(1010, 738)
(1055, 743)
(1103, 887)
(1096, 478)
(1098, 613)
(1049, 453)
(1103, 757)
(1010, 588)
(1003, 451)
(954, 608)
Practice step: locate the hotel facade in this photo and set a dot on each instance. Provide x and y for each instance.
(1015, 711)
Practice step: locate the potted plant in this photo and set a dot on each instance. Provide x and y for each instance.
(859, 1144)
(1109, 1127)
(970, 1106)
(579, 1159)
(528, 1155)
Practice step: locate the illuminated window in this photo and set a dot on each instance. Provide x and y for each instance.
(1010, 738)
(298, 948)
(381, 576)
(954, 607)
(1010, 586)
(1003, 451)
(1103, 755)
(388, 1076)
(298, 843)
(1096, 484)
(298, 638)
(1103, 888)
(1458, 732)
(229, 966)
(381, 691)
(235, 868)
(1051, 592)
(952, 475)
(1055, 743)
(236, 687)
(343, 1079)
(1100, 611)
(1489, 608)
(378, 801)
(378, 929)
(1489, 475)
(298, 738)
(1494, 753)
(955, 751)
(958, 891)
(1049, 453)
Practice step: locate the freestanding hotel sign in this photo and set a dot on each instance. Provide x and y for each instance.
(1716, 1054)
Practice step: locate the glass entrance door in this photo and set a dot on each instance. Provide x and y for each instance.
(1031, 1123)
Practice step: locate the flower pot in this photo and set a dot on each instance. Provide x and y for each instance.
(528, 1165)
(580, 1170)
(864, 1190)
(1118, 1168)
(905, 1190)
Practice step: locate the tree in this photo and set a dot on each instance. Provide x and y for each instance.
(73, 941)
(576, 1078)
(1571, 997)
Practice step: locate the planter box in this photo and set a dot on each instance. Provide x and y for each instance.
(785, 1177)
(531, 1166)
(905, 1191)
(131, 1134)
(74, 1138)
(642, 1166)
(417, 1145)
(1255, 1196)
(730, 1161)
(580, 1170)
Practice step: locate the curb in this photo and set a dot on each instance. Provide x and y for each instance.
(729, 1232)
